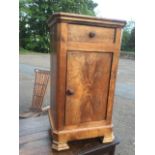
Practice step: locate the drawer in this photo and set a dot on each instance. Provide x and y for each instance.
(90, 34)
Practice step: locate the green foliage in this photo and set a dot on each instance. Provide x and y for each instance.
(24, 51)
(131, 43)
(128, 40)
(34, 33)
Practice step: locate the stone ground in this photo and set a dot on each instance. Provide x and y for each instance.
(124, 103)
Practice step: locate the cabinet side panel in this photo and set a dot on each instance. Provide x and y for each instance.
(53, 69)
(114, 74)
(61, 74)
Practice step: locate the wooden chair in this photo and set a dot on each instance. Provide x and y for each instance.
(40, 85)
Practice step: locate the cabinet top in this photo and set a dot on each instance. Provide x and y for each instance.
(86, 20)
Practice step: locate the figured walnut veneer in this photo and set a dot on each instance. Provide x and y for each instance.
(84, 60)
(89, 78)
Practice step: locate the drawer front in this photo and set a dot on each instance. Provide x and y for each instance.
(90, 34)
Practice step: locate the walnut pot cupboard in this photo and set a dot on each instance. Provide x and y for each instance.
(84, 60)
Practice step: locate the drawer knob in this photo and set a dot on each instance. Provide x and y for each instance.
(70, 92)
(92, 34)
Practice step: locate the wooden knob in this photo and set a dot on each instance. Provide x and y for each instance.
(69, 92)
(92, 34)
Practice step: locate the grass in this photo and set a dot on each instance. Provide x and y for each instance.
(23, 51)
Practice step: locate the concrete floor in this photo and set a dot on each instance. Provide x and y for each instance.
(124, 107)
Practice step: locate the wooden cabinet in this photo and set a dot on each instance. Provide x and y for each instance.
(84, 60)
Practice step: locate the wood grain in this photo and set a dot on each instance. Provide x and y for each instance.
(84, 46)
(88, 75)
(81, 33)
(84, 20)
(113, 75)
(53, 76)
(84, 68)
(61, 74)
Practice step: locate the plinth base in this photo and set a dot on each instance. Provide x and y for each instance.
(60, 138)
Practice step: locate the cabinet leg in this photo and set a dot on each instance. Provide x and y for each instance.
(108, 138)
(59, 146)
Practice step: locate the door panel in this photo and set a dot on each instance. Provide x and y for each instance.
(87, 85)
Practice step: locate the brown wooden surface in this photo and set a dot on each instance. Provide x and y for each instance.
(81, 33)
(114, 68)
(87, 47)
(82, 19)
(34, 139)
(61, 73)
(85, 60)
(88, 75)
(53, 75)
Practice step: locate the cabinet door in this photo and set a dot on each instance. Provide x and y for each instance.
(87, 86)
